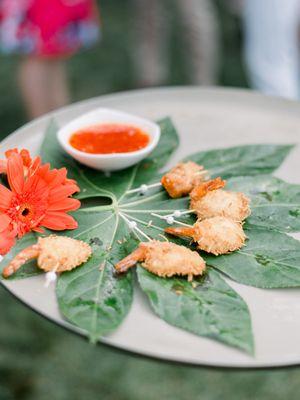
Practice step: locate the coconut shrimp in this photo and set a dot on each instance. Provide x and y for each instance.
(209, 200)
(181, 179)
(217, 235)
(164, 259)
(53, 253)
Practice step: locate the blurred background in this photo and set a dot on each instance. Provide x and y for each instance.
(143, 43)
(113, 63)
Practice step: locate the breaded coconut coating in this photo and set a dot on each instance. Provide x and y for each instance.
(53, 253)
(217, 235)
(181, 179)
(209, 200)
(164, 259)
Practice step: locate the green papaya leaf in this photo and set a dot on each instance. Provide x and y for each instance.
(275, 204)
(208, 307)
(270, 259)
(93, 297)
(243, 160)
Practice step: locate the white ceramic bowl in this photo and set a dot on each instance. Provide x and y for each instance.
(115, 161)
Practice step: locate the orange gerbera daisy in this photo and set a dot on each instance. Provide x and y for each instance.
(40, 199)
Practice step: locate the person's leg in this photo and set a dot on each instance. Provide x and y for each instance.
(201, 34)
(58, 84)
(151, 31)
(271, 46)
(34, 85)
(43, 85)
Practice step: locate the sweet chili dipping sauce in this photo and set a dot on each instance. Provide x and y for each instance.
(109, 138)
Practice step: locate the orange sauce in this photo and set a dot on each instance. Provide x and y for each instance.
(109, 139)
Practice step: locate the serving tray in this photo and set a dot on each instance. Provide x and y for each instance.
(205, 119)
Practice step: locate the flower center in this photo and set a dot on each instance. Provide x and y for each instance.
(26, 211)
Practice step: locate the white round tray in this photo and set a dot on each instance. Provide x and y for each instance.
(205, 118)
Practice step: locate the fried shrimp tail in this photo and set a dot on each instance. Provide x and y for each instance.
(205, 187)
(53, 253)
(180, 231)
(164, 259)
(25, 255)
(131, 260)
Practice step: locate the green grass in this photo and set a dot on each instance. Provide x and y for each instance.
(40, 361)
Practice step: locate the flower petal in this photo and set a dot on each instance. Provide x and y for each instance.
(35, 184)
(24, 153)
(65, 205)
(4, 222)
(38, 229)
(34, 166)
(7, 240)
(61, 192)
(58, 221)
(15, 173)
(9, 152)
(5, 198)
(59, 178)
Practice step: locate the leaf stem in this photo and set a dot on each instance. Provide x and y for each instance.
(180, 212)
(144, 188)
(96, 208)
(141, 211)
(144, 200)
(144, 223)
(174, 220)
(135, 228)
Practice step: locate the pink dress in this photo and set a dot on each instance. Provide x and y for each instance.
(47, 28)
